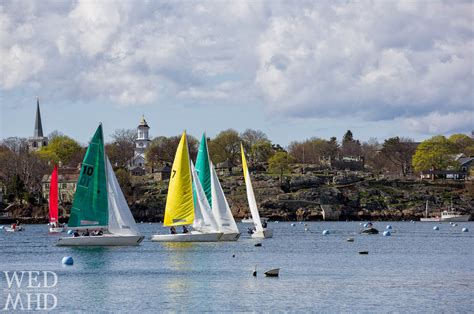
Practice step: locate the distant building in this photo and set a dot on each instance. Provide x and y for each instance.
(67, 181)
(141, 144)
(462, 173)
(162, 173)
(225, 168)
(38, 140)
(354, 163)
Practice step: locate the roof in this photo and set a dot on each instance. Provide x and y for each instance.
(225, 164)
(38, 125)
(165, 168)
(442, 172)
(464, 160)
(143, 122)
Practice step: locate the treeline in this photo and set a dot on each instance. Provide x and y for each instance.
(21, 171)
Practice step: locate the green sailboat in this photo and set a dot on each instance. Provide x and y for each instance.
(99, 206)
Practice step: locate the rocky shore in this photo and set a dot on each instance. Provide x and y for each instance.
(315, 195)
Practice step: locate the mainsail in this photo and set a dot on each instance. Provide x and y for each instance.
(204, 220)
(90, 205)
(121, 221)
(250, 194)
(203, 168)
(179, 208)
(220, 207)
(53, 196)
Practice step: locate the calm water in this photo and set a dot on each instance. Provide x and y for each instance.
(415, 270)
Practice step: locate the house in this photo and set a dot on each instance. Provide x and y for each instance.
(67, 180)
(224, 168)
(137, 171)
(461, 173)
(353, 163)
(162, 173)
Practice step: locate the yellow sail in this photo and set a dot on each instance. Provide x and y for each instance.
(244, 164)
(179, 208)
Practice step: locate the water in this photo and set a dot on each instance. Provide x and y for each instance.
(417, 269)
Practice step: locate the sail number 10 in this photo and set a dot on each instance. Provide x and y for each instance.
(87, 172)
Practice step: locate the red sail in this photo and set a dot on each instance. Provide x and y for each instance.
(53, 196)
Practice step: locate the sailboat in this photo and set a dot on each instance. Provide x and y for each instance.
(260, 231)
(185, 206)
(99, 207)
(215, 195)
(54, 226)
(429, 219)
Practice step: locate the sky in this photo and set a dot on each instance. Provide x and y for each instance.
(293, 69)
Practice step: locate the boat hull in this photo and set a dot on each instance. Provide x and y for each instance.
(264, 234)
(370, 231)
(430, 219)
(9, 229)
(103, 240)
(230, 237)
(456, 218)
(56, 230)
(187, 237)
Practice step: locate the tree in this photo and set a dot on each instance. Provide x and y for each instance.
(463, 144)
(280, 164)
(350, 147)
(127, 135)
(225, 146)
(399, 151)
(60, 148)
(312, 150)
(262, 150)
(434, 153)
(163, 149)
(122, 148)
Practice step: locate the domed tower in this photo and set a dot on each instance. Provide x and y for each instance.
(142, 142)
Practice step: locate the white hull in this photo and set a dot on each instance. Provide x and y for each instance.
(230, 237)
(434, 219)
(103, 240)
(8, 229)
(250, 220)
(187, 237)
(266, 233)
(455, 218)
(56, 230)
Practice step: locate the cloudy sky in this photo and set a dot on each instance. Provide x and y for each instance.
(294, 69)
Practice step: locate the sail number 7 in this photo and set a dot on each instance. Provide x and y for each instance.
(174, 173)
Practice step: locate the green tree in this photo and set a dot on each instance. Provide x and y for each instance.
(280, 164)
(463, 144)
(434, 153)
(225, 146)
(60, 148)
(262, 150)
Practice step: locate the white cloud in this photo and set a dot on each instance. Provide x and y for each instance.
(371, 60)
(437, 123)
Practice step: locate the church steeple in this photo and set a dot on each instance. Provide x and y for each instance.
(38, 124)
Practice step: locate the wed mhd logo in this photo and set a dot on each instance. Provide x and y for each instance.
(28, 290)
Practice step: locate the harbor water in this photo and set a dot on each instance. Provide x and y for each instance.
(416, 269)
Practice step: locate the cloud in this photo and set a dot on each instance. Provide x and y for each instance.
(436, 123)
(399, 60)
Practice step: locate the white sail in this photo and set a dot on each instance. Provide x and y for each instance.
(204, 220)
(220, 207)
(252, 202)
(121, 221)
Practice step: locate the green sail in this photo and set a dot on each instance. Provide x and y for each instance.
(90, 205)
(203, 168)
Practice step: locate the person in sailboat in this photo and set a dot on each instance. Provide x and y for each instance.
(251, 230)
(86, 233)
(264, 224)
(185, 229)
(173, 230)
(76, 233)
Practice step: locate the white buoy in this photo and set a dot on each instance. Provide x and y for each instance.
(365, 225)
(306, 229)
(67, 260)
(1, 227)
(465, 230)
(360, 224)
(389, 227)
(435, 228)
(350, 239)
(70, 231)
(301, 222)
(387, 233)
(305, 225)
(292, 224)
(276, 221)
(326, 232)
(455, 225)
